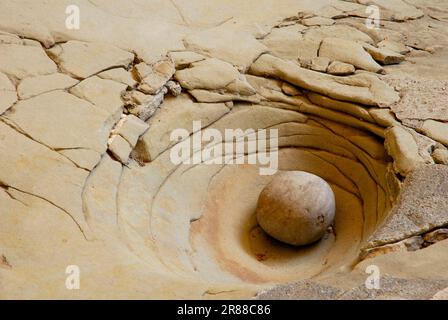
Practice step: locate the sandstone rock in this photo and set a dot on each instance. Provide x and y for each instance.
(100, 189)
(183, 59)
(24, 61)
(420, 98)
(436, 235)
(362, 88)
(144, 105)
(174, 88)
(393, 46)
(289, 211)
(384, 117)
(176, 113)
(338, 68)
(62, 121)
(214, 43)
(33, 86)
(440, 156)
(162, 230)
(83, 59)
(401, 9)
(290, 90)
(384, 55)
(8, 93)
(340, 31)
(211, 97)
(43, 173)
(341, 106)
(308, 49)
(410, 244)
(402, 147)
(120, 148)
(441, 295)
(202, 75)
(317, 21)
(83, 158)
(436, 130)
(153, 78)
(419, 207)
(9, 38)
(131, 128)
(320, 64)
(287, 43)
(118, 75)
(103, 94)
(349, 52)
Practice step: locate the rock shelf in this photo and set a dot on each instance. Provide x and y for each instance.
(85, 172)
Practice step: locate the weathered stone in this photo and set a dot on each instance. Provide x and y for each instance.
(153, 78)
(287, 43)
(440, 156)
(441, 295)
(131, 128)
(214, 42)
(349, 52)
(419, 208)
(320, 64)
(176, 113)
(203, 75)
(83, 59)
(317, 21)
(8, 95)
(183, 59)
(410, 244)
(401, 10)
(62, 121)
(436, 130)
(384, 117)
(144, 105)
(384, 55)
(118, 75)
(436, 235)
(100, 191)
(102, 93)
(421, 99)
(290, 90)
(340, 31)
(338, 68)
(30, 167)
(362, 88)
(33, 86)
(289, 211)
(402, 147)
(24, 61)
(161, 229)
(174, 88)
(120, 148)
(393, 46)
(341, 106)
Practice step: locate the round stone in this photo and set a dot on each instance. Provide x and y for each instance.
(296, 207)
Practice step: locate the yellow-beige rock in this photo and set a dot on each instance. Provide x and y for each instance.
(87, 176)
(83, 59)
(33, 86)
(8, 93)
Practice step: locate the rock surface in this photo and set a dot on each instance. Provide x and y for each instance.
(296, 208)
(86, 118)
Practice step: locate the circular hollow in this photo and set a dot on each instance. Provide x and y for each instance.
(296, 207)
